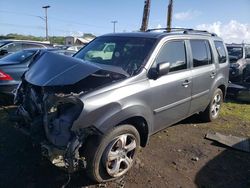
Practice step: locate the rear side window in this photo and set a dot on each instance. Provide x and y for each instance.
(173, 52)
(222, 57)
(201, 52)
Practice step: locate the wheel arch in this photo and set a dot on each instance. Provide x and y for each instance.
(141, 126)
(222, 87)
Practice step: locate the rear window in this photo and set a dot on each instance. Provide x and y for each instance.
(19, 56)
(201, 53)
(222, 57)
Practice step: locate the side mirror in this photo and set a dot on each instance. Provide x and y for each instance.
(3, 52)
(160, 70)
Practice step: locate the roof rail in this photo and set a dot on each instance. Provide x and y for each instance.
(184, 30)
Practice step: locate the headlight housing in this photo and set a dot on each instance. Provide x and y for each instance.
(234, 65)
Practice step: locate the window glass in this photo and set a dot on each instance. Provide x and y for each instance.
(173, 52)
(221, 51)
(127, 53)
(248, 52)
(13, 47)
(20, 56)
(235, 52)
(201, 52)
(29, 45)
(103, 51)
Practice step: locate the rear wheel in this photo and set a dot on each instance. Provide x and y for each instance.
(111, 156)
(212, 111)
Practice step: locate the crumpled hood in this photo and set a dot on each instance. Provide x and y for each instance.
(50, 69)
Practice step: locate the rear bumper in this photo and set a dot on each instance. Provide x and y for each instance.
(7, 89)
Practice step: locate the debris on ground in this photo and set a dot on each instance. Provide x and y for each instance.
(195, 159)
(239, 143)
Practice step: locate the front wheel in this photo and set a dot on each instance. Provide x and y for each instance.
(112, 155)
(212, 111)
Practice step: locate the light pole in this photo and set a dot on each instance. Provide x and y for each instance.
(46, 21)
(114, 22)
(169, 15)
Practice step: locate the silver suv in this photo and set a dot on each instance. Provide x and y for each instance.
(94, 112)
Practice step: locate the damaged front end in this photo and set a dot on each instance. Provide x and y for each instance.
(49, 102)
(48, 117)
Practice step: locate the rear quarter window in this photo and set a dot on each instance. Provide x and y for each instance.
(222, 55)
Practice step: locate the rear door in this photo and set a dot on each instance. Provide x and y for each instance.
(203, 74)
(171, 93)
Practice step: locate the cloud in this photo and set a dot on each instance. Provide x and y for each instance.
(231, 32)
(188, 15)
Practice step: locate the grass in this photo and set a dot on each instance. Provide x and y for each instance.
(238, 111)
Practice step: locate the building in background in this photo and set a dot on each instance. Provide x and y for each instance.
(71, 40)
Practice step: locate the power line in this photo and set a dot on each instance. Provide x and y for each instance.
(54, 18)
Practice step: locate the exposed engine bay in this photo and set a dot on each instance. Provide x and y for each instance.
(47, 112)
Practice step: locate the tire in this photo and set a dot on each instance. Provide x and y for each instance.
(104, 153)
(212, 111)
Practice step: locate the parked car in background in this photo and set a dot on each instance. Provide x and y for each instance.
(95, 112)
(104, 51)
(11, 46)
(75, 48)
(239, 57)
(14, 65)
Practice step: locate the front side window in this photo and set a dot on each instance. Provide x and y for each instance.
(128, 53)
(173, 52)
(222, 57)
(201, 52)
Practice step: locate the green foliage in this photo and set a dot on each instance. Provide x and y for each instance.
(53, 39)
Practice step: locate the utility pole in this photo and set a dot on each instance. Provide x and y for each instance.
(46, 21)
(169, 15)
(146, 11)
(114, 22)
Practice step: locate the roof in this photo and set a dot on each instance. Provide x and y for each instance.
(84, 40)
(159, 34)
(30, 41)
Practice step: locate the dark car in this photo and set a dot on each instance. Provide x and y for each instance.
(94, 111)
(239, 57)
(14, 65)
(11, 46)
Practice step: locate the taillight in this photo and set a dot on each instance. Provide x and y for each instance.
(4, 76)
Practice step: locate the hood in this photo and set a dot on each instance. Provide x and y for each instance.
(50, 69)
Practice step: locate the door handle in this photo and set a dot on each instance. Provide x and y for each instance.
(186, 83)
(212, 75)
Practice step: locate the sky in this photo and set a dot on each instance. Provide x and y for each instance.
(228, 18)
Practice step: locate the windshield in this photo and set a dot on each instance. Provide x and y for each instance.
(235, 52)
(20, 56)
(128, 53)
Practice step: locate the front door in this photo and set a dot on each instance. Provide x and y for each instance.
(171, 93)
